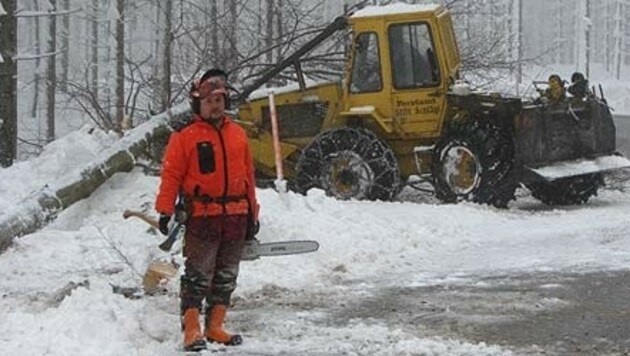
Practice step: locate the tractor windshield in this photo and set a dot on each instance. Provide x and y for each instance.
(413, 56)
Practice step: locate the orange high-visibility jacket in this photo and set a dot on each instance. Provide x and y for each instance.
(212, 166)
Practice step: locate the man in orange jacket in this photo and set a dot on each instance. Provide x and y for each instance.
(210, 164)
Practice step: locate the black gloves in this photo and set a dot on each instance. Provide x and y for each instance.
(163, 223)
(252, 230)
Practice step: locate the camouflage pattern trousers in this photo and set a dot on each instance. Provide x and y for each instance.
(212, 249)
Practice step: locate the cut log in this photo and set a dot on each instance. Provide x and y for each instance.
(39, 209)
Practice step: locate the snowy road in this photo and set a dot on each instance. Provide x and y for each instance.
(403, 278)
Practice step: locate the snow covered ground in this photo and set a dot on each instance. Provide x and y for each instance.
(284, 305)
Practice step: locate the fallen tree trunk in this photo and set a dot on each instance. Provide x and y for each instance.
(36, 211)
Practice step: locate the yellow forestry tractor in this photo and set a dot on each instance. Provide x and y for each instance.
(401, 111)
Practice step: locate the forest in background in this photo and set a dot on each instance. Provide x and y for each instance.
(112, 60)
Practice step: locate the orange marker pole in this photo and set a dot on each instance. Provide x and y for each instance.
(280, 183)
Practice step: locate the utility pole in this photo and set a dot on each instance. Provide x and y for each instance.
(8, 78)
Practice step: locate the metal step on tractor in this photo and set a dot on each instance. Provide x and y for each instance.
(401, 111)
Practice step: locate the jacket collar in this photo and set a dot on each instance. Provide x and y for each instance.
(216, 123)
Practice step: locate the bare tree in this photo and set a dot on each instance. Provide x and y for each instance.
(519, 46)
(587, 39)
(259, 23)
(279, 26)
(65, 44)
(94, 62)
(231, 35)
(269, 33)
(618, 37)
(214, 19)
(165, 81)
(37, 50)
(51, 82)
(485, 47)
(120, 63)
(8, 76)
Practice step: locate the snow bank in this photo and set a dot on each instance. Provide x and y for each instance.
(365, 247)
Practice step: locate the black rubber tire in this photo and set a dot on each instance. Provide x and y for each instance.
(567, 191)
(492, 151)
(349, 163)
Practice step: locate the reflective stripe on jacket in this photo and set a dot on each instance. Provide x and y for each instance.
(212, 166)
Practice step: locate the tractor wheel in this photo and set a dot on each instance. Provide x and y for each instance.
(473, 161)
(349, 163)
(567, 191)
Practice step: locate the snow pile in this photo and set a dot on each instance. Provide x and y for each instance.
(394, 9)
(287, 305)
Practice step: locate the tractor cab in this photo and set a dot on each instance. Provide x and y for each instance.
(404, 58)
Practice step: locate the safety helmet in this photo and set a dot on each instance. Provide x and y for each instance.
(212, 82)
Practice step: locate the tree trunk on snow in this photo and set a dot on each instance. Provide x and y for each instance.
(8, 78)
(36, 211)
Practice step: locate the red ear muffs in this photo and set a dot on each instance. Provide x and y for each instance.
(194, 105)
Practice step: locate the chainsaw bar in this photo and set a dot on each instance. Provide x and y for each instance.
(255, 249)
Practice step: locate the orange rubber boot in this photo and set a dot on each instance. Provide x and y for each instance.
(193, 340)
(214, 328)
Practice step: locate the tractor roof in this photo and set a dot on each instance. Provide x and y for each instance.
(396, 9)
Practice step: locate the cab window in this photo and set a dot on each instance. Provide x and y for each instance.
(413, 56)
(366, 66)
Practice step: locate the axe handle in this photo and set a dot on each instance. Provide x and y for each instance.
(170, 239)
(144, 217)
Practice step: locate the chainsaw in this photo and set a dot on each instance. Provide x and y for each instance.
(253, 249)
